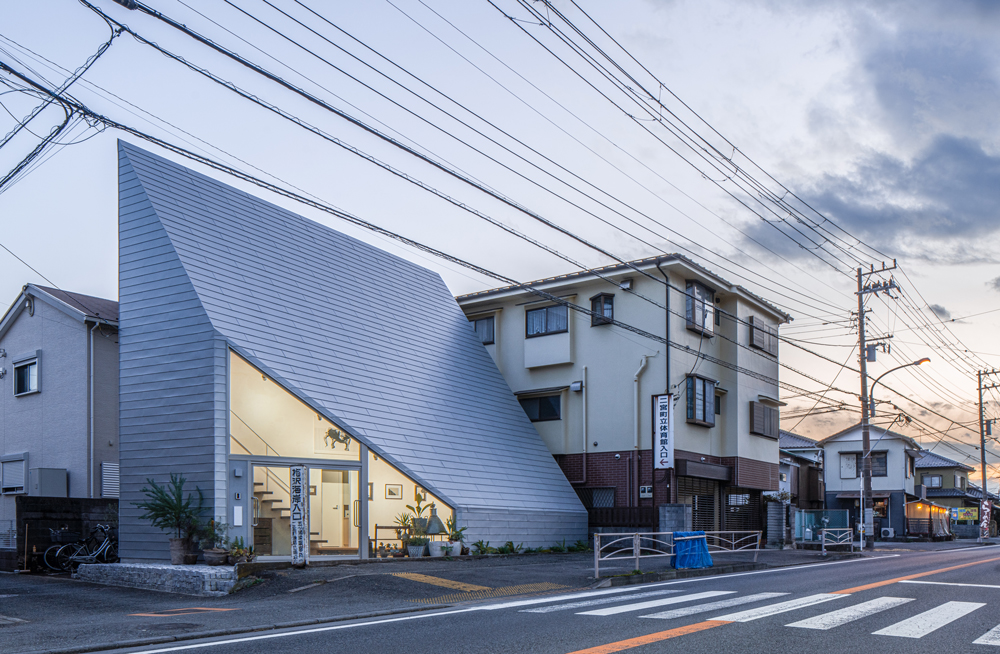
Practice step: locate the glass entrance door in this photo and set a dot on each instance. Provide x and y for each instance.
(334, 512)
(270, 511)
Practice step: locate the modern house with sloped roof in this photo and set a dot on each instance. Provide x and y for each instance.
(264, 354)
(58, 399)
(947, 482)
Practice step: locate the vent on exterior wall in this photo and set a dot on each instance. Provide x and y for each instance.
(110, 480)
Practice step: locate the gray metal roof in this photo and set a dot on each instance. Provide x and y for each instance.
(90, 306)
(376, 342)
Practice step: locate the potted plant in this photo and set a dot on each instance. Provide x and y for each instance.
(417, 520)
(240, 552)
(416, 546)
(214, 535)
(168, 509)
(455, 535)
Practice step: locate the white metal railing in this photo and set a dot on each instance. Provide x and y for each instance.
(836, 537)
(636, 546)
(8, 535)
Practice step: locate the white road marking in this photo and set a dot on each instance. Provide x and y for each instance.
(712, 606)
(780, 607)
(924, 623)
(850, 614)
(642, 606)
(595, 602)
(947, 583)
(991, 637)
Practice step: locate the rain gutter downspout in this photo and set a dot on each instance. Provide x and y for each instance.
(583, 478)
(90, 473)
(635, 422)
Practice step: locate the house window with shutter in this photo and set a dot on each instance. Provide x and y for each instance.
(603, 308)
(700, 394)
(764, 420)
(700, 308)
(763, 336)
(13, 473)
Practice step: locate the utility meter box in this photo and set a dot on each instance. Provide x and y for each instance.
(48, 482)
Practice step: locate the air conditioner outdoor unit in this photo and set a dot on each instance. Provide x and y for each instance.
(888, 532)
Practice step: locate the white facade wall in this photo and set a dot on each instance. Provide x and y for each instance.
(896, 464)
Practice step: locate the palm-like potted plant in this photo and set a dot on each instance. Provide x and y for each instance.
(167, 508)
(215, 542)
(455, 535)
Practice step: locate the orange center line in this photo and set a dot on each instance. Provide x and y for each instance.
(878, 584)
(652, 638)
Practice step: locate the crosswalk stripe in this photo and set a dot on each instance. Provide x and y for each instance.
(640, 606)
(991, 637)
(924, 623)
(712, 606)
(780, 607)
(595, 602)
(850, 614)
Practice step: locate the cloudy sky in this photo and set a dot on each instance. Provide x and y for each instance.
(877, 124)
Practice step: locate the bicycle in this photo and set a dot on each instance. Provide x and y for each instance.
(88, 550)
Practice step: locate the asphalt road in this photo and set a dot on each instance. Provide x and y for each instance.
(907, 602)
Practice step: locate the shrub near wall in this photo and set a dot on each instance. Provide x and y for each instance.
(36, 515)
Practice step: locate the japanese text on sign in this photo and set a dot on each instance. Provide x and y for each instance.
(663, 431)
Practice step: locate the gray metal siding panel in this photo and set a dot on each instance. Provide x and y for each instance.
(376, 341)
(169, 373)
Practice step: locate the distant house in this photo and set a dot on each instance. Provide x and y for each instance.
(800, 471)
(897, 509)
(947, 483)
(58, 397)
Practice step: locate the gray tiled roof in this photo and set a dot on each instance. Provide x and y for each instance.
(375, 341)
(931, 460)
(92, 307)
(788, 440)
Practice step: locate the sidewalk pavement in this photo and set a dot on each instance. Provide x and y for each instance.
(41, 613)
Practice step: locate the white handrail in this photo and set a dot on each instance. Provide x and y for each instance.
(639, 545)
(836, 536)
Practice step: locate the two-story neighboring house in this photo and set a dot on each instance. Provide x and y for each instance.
(800, 471)
(898, 509)
(947, 483)
(58, 397)
(595, 383)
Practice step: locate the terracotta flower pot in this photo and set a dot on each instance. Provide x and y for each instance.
(216, 556)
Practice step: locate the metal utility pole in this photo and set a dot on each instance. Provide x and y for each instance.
(867, 537)
(984, 505)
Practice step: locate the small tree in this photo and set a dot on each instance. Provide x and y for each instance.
(168, 509)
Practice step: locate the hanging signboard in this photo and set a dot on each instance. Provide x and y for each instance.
(299, 495)
(984, 526)
(663, 431)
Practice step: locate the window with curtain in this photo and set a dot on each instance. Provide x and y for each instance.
(603, 306)
(701, 401)
(547, 320)
(485, 329)
(700, 308)
(540, 409)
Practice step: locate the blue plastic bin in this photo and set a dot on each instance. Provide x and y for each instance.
(691, 550)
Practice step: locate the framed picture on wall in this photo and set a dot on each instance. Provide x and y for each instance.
(419, 492)
(371, 491)
(393, 491)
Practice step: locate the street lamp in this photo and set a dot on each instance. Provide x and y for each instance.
(866, 475)
(871, 393)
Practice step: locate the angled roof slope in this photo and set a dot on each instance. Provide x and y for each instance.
(930, 460)
(372, 340)
(788, 440)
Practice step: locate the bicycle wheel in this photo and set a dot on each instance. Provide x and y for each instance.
(49, 558)
(64, 557)
(110, 553)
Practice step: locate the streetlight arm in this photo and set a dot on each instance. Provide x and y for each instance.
(871, 392)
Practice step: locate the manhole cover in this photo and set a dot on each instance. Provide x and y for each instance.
(170, 626)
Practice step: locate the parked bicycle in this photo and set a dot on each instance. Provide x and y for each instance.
(101, 546)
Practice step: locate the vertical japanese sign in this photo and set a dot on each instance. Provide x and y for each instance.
(663, 431)
(984, 526)
(298, 491)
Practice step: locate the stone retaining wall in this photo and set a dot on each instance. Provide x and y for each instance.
(201, 580)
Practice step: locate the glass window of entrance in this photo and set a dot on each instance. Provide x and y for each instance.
(266, 420)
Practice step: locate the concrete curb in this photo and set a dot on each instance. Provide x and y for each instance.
(159, 640)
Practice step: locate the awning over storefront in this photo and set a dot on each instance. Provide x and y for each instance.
(856, 495)
(687, 468)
